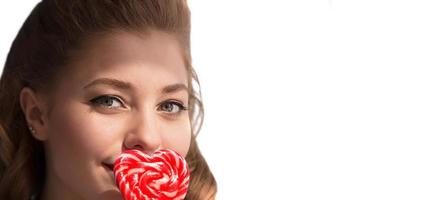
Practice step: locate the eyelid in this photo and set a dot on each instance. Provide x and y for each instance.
(92, 101)
(181, 104)
(178, 103)
(174, 101)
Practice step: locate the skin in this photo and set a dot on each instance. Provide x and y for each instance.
(80, 137)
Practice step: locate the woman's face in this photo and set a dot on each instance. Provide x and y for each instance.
(125, 92)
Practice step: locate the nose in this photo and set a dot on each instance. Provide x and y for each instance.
(144, 135)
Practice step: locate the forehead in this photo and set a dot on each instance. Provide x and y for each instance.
(154, 58)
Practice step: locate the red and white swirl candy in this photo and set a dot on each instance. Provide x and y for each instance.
(162, 176)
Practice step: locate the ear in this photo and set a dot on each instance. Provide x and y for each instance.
(35, 111)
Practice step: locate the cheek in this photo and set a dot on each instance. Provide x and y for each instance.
(80, 133)
(178, 138)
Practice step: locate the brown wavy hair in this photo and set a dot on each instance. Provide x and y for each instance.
(41, 52)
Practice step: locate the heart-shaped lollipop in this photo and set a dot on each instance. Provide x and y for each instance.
(163, 175)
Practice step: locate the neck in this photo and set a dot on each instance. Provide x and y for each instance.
(54, 189)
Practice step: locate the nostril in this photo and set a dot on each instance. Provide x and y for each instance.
(109, 166)
(145, 141)
(146, 147)
(137, 147)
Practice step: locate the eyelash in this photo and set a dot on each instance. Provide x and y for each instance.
(95, 102)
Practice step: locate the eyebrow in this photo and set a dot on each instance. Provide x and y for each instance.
(127, 86)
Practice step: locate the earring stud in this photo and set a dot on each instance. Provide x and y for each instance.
(31, 129)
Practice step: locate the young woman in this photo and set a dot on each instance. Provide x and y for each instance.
(85, 80)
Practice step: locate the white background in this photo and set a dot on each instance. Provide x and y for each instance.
(304, 99)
